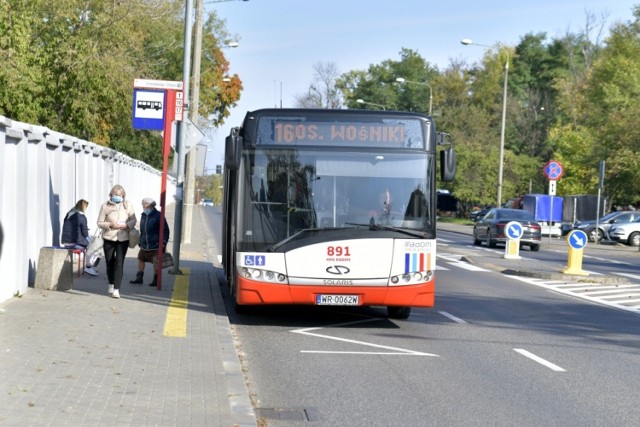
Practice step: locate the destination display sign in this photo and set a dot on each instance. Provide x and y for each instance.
(394, 133)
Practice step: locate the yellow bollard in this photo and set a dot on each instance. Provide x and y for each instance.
(577, 240)
(513, 230)
(512, 249)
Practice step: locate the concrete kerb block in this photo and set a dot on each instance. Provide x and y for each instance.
(55, 269)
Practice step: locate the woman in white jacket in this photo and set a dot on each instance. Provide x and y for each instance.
(116, 218)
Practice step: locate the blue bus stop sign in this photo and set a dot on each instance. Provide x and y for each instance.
(148, 109)
(577, 239)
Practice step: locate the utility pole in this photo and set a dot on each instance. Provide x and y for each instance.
(180, 138)
(191, 156)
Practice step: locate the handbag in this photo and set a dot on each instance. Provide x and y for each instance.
(134, 237)
(167, 260)
(95, 245)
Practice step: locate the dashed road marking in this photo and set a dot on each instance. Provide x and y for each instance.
(539, 359)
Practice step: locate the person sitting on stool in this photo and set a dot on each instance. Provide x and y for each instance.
(75, 234)
(149, 239)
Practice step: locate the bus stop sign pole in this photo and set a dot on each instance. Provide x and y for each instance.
(171, 110)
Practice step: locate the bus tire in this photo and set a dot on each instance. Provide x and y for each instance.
(241, 309)
(398, 312)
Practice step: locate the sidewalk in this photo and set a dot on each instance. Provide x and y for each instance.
(82, 358)
(529, 267)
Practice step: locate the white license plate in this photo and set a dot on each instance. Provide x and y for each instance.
(337, 300)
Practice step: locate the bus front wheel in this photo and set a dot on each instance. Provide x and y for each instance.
(398, 312)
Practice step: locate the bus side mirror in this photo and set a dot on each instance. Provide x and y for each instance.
(447, 165)
(232, 150)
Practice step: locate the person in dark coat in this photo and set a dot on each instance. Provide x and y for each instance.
(149, 239)
(75, 233)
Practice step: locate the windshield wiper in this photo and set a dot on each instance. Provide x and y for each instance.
(373, 226)
(297, 234)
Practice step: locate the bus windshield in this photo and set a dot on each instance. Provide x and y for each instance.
(292, 189)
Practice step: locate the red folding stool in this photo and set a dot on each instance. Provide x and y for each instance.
(81, 255)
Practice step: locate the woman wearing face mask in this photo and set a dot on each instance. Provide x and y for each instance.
(149, 239)
(116, 218)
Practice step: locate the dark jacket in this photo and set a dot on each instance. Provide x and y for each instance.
(150, 231)
(74, 228)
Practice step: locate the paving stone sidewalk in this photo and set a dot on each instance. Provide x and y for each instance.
(82, 358)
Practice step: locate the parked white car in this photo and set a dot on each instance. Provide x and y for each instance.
(628, 233)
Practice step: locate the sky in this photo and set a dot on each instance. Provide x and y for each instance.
(281, 40)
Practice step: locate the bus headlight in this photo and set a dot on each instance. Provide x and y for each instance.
(263, 275)
(412, 278)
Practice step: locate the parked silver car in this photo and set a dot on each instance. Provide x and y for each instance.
(628, 233)
(605, 223)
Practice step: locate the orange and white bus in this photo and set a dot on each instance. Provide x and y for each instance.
(332, 207)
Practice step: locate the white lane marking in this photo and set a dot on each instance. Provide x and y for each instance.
(573, 293)
(396, 350)
(595, 273)
(456, 261)
(377, 353)
(629, 275)
(448, 256)
(613, 292)
(612, 261)
(467, 266)
(452, 317)
(439, 239)
(539, 359)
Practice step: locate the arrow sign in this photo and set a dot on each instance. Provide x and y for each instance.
(577, 239)
(514, 230)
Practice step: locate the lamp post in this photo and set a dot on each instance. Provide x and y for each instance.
(467, 42)
(402, 80)
(362, 101)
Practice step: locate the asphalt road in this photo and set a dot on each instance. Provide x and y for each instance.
(494, 351)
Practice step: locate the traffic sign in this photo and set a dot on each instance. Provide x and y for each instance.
(158, 84)
(553, 170)
(193, 135)
(150, 103)
(513, 230)
(577, 239)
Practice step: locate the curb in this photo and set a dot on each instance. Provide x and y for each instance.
(547, 275)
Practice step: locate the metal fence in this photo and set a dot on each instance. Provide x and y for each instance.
(43, 174)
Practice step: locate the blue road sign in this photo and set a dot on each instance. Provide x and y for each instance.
(513, 230)
(577, 239)
(553, 170)
(148, 109)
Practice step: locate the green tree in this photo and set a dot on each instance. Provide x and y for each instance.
(612, 94)
(73, 63)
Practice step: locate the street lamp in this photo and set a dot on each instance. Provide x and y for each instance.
(467, 42)
(362, 101)
(402, 80)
